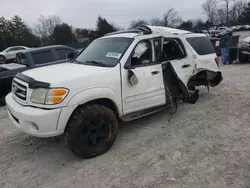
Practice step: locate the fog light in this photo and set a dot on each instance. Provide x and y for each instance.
(34, 126)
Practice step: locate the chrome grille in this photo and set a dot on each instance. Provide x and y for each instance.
(19, 90)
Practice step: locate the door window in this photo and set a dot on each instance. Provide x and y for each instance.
(43, 57)
(157, 48)
(172, 50)
(15, 49)
(62, 53)
(142, 54)
(202, 45)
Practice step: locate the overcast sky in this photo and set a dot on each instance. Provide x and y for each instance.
(83, 13)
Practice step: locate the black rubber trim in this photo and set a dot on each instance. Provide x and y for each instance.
(33, 84)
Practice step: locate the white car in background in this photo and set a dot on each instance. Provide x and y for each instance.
(10, 53)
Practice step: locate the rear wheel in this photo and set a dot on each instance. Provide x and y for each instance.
(194, 96)
(243, 58)
(91, 131)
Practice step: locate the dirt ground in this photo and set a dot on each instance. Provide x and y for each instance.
(202, 145)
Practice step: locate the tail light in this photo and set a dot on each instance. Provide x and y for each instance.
(217, 61)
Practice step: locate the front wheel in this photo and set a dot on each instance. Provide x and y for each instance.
(193, 96)
(91, 131)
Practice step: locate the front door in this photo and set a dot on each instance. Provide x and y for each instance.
(174, 52)
(142, 79)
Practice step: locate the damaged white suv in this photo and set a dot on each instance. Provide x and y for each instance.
(124, 75)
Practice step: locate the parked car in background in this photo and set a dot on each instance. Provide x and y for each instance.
(244, 50)
(9, 54)
(246, 27)
(223, 28)
(234, 28)
(123, 75)
(33, 58)
(221, 32)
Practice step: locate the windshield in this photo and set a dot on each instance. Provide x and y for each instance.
(104, 52)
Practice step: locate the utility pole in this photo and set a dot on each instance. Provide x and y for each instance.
(227, 10)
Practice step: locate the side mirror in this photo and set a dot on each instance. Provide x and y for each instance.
(72, 55)
(132, 78)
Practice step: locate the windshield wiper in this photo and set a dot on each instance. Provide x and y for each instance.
(96, 63)
(77, 61)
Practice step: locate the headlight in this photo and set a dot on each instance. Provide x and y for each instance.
(48, 96)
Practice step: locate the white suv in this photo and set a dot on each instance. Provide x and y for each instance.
(124, 75)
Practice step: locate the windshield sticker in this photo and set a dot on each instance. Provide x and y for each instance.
(113, 55)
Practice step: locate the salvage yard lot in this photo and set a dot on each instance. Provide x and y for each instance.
(202, 145)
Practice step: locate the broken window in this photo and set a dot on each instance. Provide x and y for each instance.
(172, 50)
(142, 54)
(157, 48)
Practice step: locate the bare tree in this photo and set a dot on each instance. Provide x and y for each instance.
(171, 18)
(222, 16)
(136, 23)
(46, 26)
(210, 9)
(157, 22)
(237, 9)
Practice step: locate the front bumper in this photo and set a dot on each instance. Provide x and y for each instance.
(34, 121)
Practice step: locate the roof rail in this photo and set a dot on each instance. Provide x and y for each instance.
(125, 31)
(140, 30)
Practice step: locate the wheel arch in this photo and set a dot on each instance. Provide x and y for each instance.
(101, 96)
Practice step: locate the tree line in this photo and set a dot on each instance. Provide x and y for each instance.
(52, 30)
(227, 12)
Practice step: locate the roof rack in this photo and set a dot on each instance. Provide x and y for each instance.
(140, 30)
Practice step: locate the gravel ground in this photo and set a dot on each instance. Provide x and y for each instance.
(202, 145)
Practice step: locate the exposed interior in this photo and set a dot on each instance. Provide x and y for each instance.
(172, 50)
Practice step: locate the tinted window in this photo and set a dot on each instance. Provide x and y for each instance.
(104, 52)
(142, 54)
(43, 57)
(62, 53)
(202, 45)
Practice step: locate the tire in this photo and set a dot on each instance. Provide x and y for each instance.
(2, 101)
(2, 59)
(243, 58)
(91, 131)
(194, 96)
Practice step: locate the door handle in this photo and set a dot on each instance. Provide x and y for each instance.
(185, 66)
(155, 72)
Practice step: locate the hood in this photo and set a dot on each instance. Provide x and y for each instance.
(61, 73)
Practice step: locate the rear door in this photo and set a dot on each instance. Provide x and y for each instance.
(175, 53)
(204, 53)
